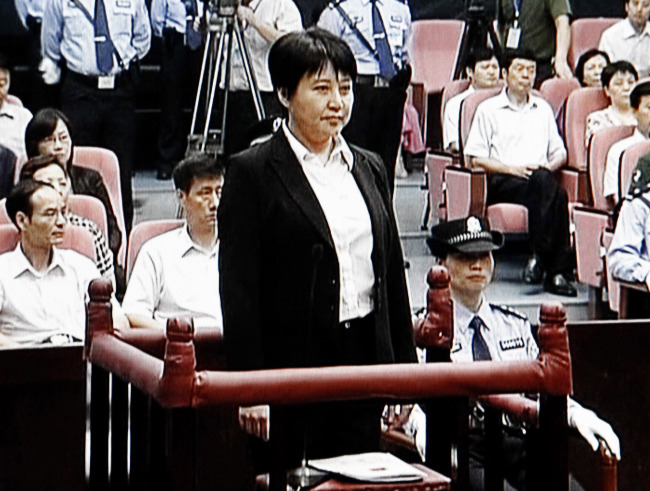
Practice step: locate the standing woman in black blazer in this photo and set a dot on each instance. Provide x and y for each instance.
(311, 266)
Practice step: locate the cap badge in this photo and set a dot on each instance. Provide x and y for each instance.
(473, 225)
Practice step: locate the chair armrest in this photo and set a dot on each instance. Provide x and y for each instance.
(589, 226)
(576, 184)
(466, 192)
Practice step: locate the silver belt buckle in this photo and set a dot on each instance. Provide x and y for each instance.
(106, 82)
(380, 82)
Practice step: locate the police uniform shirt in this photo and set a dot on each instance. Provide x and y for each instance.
(29, 8)
(507, 333)
(169, 14)
(397, 22)
(67, 33)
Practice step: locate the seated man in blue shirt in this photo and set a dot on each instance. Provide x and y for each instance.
(176, 274)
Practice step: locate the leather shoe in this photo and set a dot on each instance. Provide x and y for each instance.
(533, 273)
(559, 285)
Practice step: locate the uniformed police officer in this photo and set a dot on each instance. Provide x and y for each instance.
(98, 44)
(484, 331)
(378, 33)
(175, 22)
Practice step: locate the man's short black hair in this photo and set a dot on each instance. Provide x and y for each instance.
(510, 54)
(33, 165)
(638, 92)
(197, 166)
(584, 58)
(617, 67)
(41, 127)
(20, 198)
(478, 54)
(301, 53)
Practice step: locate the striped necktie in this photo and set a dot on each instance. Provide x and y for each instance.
(386, 65)
(103, 44)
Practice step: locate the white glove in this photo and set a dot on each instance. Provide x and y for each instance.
(50, 71)
(591, 427)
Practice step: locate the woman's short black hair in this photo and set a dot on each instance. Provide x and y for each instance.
(617, 67)
(301, 53)
(42, 126)
(584, 58)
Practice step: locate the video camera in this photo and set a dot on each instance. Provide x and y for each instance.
(222, 8)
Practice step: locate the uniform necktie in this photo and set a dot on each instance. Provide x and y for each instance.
(386, 65)
(480, 349)
(103, 43)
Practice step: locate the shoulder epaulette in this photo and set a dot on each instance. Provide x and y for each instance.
(510, 311)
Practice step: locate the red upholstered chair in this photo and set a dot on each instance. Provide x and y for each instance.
(436, 165)
(579, 105)
(105, 162)
(613, 287)
(556, 91)
(141, 233)
(91, 208)
(431, 40)
(585, 35)
(450, 90)
(76, 238)
(629, 158)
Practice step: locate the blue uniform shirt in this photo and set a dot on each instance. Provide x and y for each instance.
(507, 333)
(168, 13)
(629, 255)
(67, 33)
(33, 8)
(397, 22)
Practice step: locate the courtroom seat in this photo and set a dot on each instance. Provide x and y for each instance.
(452, 89)
(628, 161)
(585, 35)
(106, 163)
(556, 91)
(141, 233)
(579, 105)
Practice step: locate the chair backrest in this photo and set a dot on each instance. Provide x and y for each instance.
(91, 208)
(556, 91)
(437, 40)
(579, 105)
(105, 162)
(467, 111)
(76, 238)
(450, 90)
(585, 35)
(628, 161)
(599, 145)
(613, 286)
(141, 233)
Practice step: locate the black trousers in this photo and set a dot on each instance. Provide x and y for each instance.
(179, 68)
(548, 215)
(104, 118)
(376, 123)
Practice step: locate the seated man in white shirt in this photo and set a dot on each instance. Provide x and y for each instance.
(514, 137)
(176, 274)
(640, 103)
(483, 71)
(43, 288)
(629, 39)
(13, 117)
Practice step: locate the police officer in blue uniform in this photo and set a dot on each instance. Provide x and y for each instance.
(94, 48)
(175, 22)
(484, 331)
(377, 32)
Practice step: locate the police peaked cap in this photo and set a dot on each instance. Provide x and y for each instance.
(468, 235)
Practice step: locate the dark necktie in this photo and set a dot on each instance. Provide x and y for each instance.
(103, 43)
(480, 349)
(386, 65)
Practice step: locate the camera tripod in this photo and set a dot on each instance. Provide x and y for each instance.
(224, 29)
(479, 28)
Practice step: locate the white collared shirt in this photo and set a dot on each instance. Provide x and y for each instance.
(174, 277)
(507, 334)
(451, 118)
(13, 122)
(622, 42)
(36, 305)
(512, 135)
(348, 219)
(613, 162)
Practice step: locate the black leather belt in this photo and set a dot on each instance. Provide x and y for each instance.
(372, 80)
(122, 79)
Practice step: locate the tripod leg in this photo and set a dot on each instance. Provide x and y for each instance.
(213, 88)
(204, 66)
(250, 75)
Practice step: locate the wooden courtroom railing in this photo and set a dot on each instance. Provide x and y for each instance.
(177, 378)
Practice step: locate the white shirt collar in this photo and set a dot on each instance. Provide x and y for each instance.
(305, 156)
(630, 32)
(22, 264)
(185, 243)
(463, 315)
(506, 102)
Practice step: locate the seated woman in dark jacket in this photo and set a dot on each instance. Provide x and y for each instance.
(49, 132)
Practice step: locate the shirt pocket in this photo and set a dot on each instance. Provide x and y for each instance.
(121, 21)
(75, 23)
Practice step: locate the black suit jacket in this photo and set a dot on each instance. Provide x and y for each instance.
(279, 272)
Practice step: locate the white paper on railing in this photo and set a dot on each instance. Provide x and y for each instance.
(370, 467)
